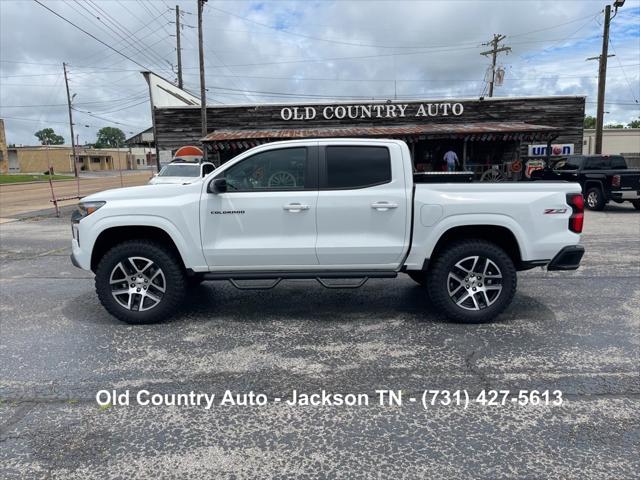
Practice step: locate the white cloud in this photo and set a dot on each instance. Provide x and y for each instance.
(432, 50)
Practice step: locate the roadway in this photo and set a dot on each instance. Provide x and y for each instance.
(19, 199)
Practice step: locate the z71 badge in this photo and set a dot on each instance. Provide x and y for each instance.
(554, 211)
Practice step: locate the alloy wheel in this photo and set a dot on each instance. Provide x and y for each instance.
(474, 283)
(137, 284)
(592, 199)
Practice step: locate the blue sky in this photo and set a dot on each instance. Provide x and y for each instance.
(292, 51)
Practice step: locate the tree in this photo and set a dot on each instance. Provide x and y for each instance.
(589, 122)
(110, 137)
(48, 137)
(634, 123)
(614, 125)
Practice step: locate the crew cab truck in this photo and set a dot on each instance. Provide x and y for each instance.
(603, 178)
(337, 210)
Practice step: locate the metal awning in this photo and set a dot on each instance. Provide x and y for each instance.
(223, 139)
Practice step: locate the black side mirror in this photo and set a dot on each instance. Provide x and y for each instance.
(217, 185)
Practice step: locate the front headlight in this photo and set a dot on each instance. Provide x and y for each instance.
(84, 210)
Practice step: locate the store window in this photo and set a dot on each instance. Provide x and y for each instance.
(357, 167)
(282, 169)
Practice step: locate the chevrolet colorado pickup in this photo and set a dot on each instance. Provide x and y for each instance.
(340, 211)
(603, 178)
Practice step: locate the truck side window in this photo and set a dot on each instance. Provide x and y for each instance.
(618, 163)
(357, 167)
(596, 163)
(281, 169)
(571, 163)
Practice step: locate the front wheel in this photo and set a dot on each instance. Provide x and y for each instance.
(636, 204)
(139, 282)
(472, 281)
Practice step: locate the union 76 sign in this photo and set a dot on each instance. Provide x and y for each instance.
(386, 110)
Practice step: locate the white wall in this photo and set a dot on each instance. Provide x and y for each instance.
(614, 141)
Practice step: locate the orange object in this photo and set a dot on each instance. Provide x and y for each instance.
(516, 166)
(189, 152)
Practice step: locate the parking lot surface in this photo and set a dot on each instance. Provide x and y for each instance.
(578, 332)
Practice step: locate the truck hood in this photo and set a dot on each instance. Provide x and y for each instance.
(143, 191)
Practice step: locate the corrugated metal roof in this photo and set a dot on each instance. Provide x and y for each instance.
(387, 131)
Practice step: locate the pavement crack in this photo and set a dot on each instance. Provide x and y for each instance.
(473, 368)
(21, 412)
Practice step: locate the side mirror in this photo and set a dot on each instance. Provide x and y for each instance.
(217, 185)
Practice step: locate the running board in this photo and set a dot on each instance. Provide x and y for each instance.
(319, 276)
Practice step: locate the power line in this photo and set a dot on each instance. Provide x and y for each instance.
(624, 74)
(121, 34)
(91, 35)
(107, 119)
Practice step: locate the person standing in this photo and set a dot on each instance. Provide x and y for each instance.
(451, 159)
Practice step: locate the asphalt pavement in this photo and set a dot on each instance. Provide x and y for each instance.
(576, 332)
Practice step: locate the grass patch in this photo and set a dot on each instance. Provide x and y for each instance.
(31, 178)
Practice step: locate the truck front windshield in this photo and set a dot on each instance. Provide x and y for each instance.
(180, 171)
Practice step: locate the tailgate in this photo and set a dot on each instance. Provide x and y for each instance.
(629, 181)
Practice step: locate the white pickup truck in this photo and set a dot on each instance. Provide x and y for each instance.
(331, 210)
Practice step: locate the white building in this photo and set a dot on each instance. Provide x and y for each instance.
(614, 141)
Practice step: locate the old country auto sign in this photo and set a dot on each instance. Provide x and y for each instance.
(385, 110)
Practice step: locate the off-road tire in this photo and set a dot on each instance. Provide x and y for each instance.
(599, 199)
(164, 258)
(418, 276)
(636, 204)
(438, 279)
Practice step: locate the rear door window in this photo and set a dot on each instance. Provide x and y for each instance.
(357, 166)
(597, 163)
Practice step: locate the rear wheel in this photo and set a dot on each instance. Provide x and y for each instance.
(636, 204)
(140, 282)
(594, 199)
(472, 281)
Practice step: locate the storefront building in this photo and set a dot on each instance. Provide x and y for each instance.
(497, 135)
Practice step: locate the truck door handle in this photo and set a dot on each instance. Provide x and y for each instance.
(296, 207)
(383, 206)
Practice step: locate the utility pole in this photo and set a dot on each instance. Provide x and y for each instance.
(178, 46)
(73, 142)
(497, 38)
(602, 79)
(203, 90)
(602, 72)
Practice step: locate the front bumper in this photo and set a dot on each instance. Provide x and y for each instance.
(567, 259)
(74, 261)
